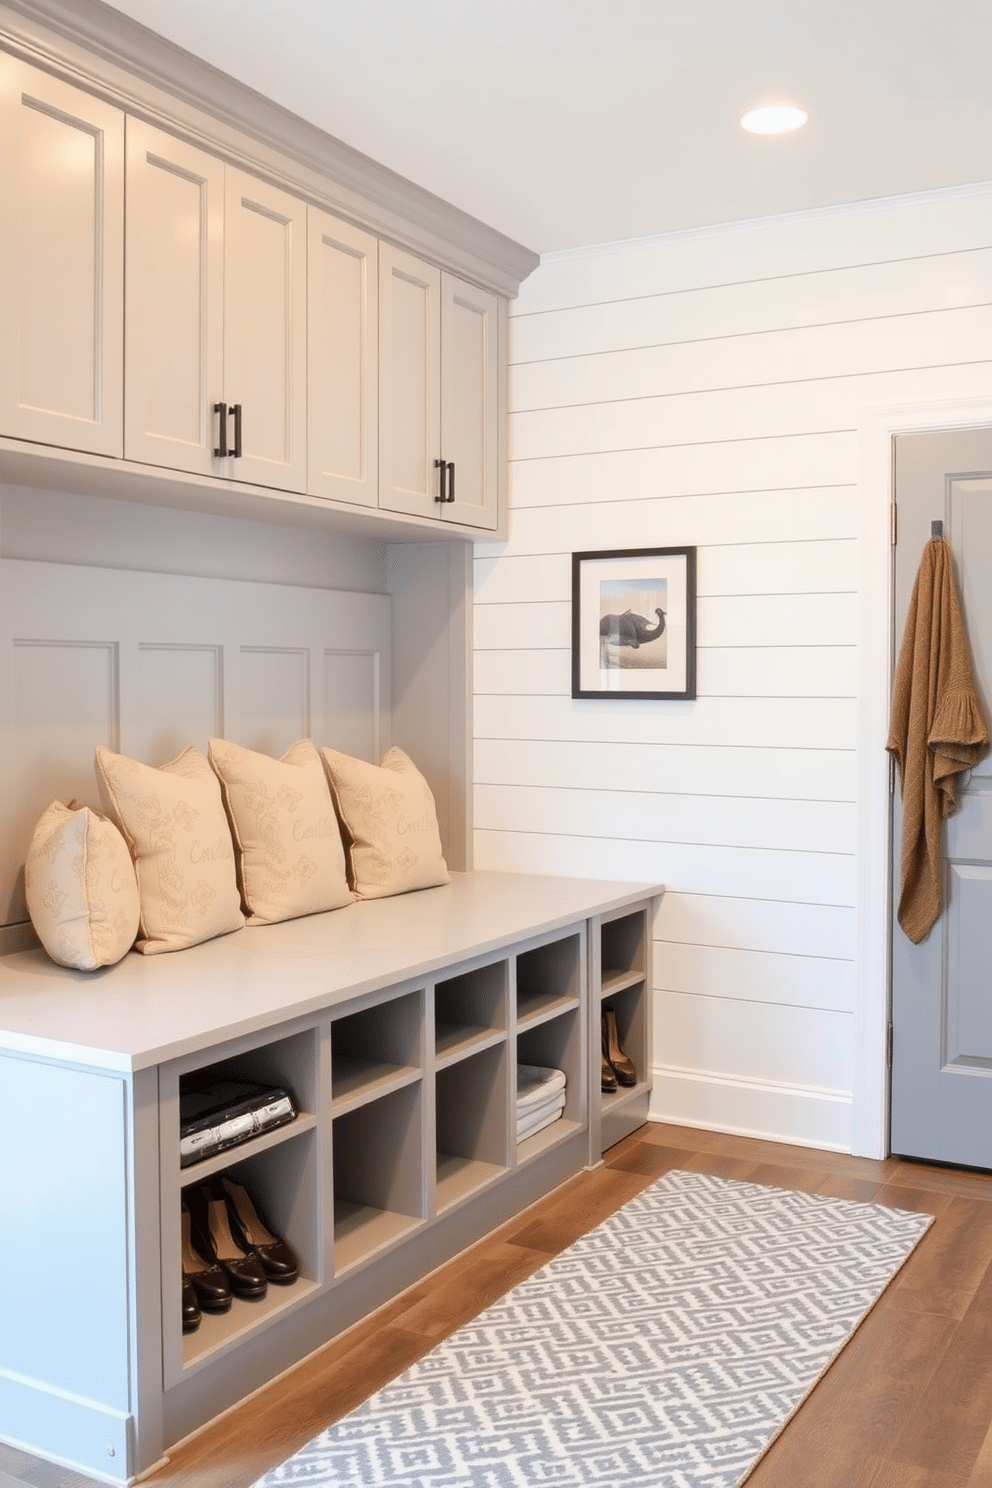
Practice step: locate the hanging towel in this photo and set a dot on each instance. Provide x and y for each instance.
(936, 730)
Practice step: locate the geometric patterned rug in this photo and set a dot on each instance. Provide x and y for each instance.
(667, 1348)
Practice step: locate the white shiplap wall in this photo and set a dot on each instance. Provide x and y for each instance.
(708, 389)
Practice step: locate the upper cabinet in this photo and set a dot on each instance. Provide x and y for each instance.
(439, 393)
(216, 317)
(62, 250)
(187, 308)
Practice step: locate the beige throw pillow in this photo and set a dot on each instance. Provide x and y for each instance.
(174, 823)
(388, 814)
(290, 854)
(80, 888)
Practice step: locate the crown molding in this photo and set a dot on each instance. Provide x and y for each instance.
(99, 49)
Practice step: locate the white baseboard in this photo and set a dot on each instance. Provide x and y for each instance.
(799, 1114)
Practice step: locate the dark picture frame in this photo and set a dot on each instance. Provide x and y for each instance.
(634, 623)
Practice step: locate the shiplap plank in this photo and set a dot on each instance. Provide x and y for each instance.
(754, 1041)
(802, 878)
(756, 976)
(778, 467)
(877, 233)
(794, 515)
(721, 671)
(777, 671)
(742, 620)
(717, 770)
(815, 405)
(724, 568)
(669, 816)
(752, 924)
(853, 348)
(788, 723)
(939, 282)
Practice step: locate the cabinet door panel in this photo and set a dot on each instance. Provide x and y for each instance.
(409, 382)
(342, 361)
(470, 400)
(265, 307)
(174, 299)
(61, 245)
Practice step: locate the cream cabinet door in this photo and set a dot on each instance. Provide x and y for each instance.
(265, 333)
(342, 361)
(469, 403)
(409, 383)
(62, 251)
(174, 351)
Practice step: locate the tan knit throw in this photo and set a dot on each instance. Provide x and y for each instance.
(936, 730)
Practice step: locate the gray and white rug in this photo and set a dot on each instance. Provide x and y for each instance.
(665, 1349)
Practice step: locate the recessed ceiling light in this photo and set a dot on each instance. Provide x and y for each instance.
(779, 119)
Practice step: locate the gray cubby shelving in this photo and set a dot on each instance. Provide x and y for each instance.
(469, 1012)
(471, 1123)
(376, 1050)
(282, 1181)
(378, 1174)
(624, 985)
(549, 980)
(279, 1169)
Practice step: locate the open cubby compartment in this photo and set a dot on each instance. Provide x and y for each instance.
(283, 1184)
(289, 1062)
(469, 1010)
(379, 1174)
(549, 978)
(376, 1050)
(556, 1044)
(623, 954)
(632, 1024)
(472, 1123)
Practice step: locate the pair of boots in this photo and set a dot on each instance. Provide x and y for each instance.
(617, 1069)
(227, 1250)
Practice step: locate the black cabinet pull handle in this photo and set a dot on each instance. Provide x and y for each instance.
(221, 451)
(451, 480)
(442, 466)
(236, 410)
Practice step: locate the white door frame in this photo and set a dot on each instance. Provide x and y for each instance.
(870, 1109)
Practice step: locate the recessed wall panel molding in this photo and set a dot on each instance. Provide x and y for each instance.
(173, 697)
(275, 707)
(352, 720)
(64, 701)
(148, 663)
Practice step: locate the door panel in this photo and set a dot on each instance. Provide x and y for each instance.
(409, 382)
(342, 355)
(941, 999)
(62, 250)
(469, 400)
(265, 307)
(174, 298)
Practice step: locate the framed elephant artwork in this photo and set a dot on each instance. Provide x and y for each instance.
(634, 623)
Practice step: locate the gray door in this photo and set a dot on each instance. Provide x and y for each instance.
(942, 988)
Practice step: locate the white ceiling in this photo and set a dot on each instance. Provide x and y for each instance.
(570, 122)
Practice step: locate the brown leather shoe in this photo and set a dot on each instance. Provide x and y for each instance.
(278, 1259)
(608, 1080)
(210, 1284)
(622, 1066)
(191, 1306)
(212, 1237)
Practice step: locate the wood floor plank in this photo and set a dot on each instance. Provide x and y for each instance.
(950, 1426)
(869, 1393)
(949, 1264)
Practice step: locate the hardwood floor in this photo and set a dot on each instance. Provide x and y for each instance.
(908, 1404)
